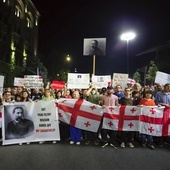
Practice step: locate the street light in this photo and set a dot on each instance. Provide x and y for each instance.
(127, 37)
(68, 58)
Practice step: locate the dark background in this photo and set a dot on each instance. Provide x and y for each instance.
(65, 23)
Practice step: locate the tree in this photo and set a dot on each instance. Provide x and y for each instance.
(137, 76)
(151, 74)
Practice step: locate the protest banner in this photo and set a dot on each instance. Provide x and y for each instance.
(120, 79)
(30, 122)
(101, 81)
(78, 81)
(162, 78)
(33, 81)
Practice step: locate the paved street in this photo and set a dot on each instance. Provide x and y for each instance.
(63, 156)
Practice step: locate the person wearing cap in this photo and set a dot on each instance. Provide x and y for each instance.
(109, 99)
(94, 97)
(147, 140)
(162, 98)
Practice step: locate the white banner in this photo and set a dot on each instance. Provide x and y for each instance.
(120, 79)
(18, 81)
(33, 81)
(30, 122)
(162, 78)
(78, 81)
(101, 81)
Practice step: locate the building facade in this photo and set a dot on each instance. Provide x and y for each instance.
(19, 21)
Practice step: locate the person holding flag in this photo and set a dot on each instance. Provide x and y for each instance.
(109, 99)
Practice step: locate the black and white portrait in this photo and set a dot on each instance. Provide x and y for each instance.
(17, 124)
(94, 46)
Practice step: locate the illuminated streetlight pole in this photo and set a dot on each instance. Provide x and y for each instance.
(127, 37)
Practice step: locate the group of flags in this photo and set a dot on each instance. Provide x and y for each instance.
(151, 120)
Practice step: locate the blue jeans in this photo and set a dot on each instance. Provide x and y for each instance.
(146, 138)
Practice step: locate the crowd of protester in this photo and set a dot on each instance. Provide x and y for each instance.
(132, 95)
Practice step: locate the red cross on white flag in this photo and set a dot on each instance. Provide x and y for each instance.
(123, 118)
(155, 121)
(80, 113)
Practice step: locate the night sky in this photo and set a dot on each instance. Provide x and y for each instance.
(65, 23)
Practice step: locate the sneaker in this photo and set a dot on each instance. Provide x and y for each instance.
(41, 142)
(96, 143)
(28, 143)
(77, 143)
(143, 144)
(150, 145)
(54, 141)
(20, 144)
(112, 145)
(122, 145)
(104, 144)
(71, 142)
(87, 142)
(131, 145)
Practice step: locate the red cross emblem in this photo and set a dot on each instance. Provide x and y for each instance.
(93, 107)
(151, 129)
(130, 124)
(133, 110)
(87, 124)
(110, 123)
(152, 110)
(111, 109)
(60, 114)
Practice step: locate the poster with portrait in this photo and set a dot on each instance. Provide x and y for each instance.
(101, 81)
(24, 122)
(94, 46)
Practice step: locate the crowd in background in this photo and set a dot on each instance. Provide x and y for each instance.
(132, 95)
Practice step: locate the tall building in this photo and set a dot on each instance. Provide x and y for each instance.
(19, 21)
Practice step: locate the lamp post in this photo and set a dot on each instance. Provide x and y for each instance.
(127, 37)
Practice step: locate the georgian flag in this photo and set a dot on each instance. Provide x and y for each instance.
(80, 113)
(155, 121)
(122, 118)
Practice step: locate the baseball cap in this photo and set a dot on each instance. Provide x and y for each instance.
(110, 87)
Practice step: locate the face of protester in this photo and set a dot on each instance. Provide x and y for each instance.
(19, 90)
(76, 95)
(7, 96)
(127, 92)
(93, 91)
(148, 95)
(47, 93)
(25, 94)
(167, 89)
(18, 114)
(118, 89)
(110, 91)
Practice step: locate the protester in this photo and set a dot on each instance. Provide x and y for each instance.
(75, 133)
(109, 99)
(127, 136)
(162, 98)
(147, 140)
(94, 97)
